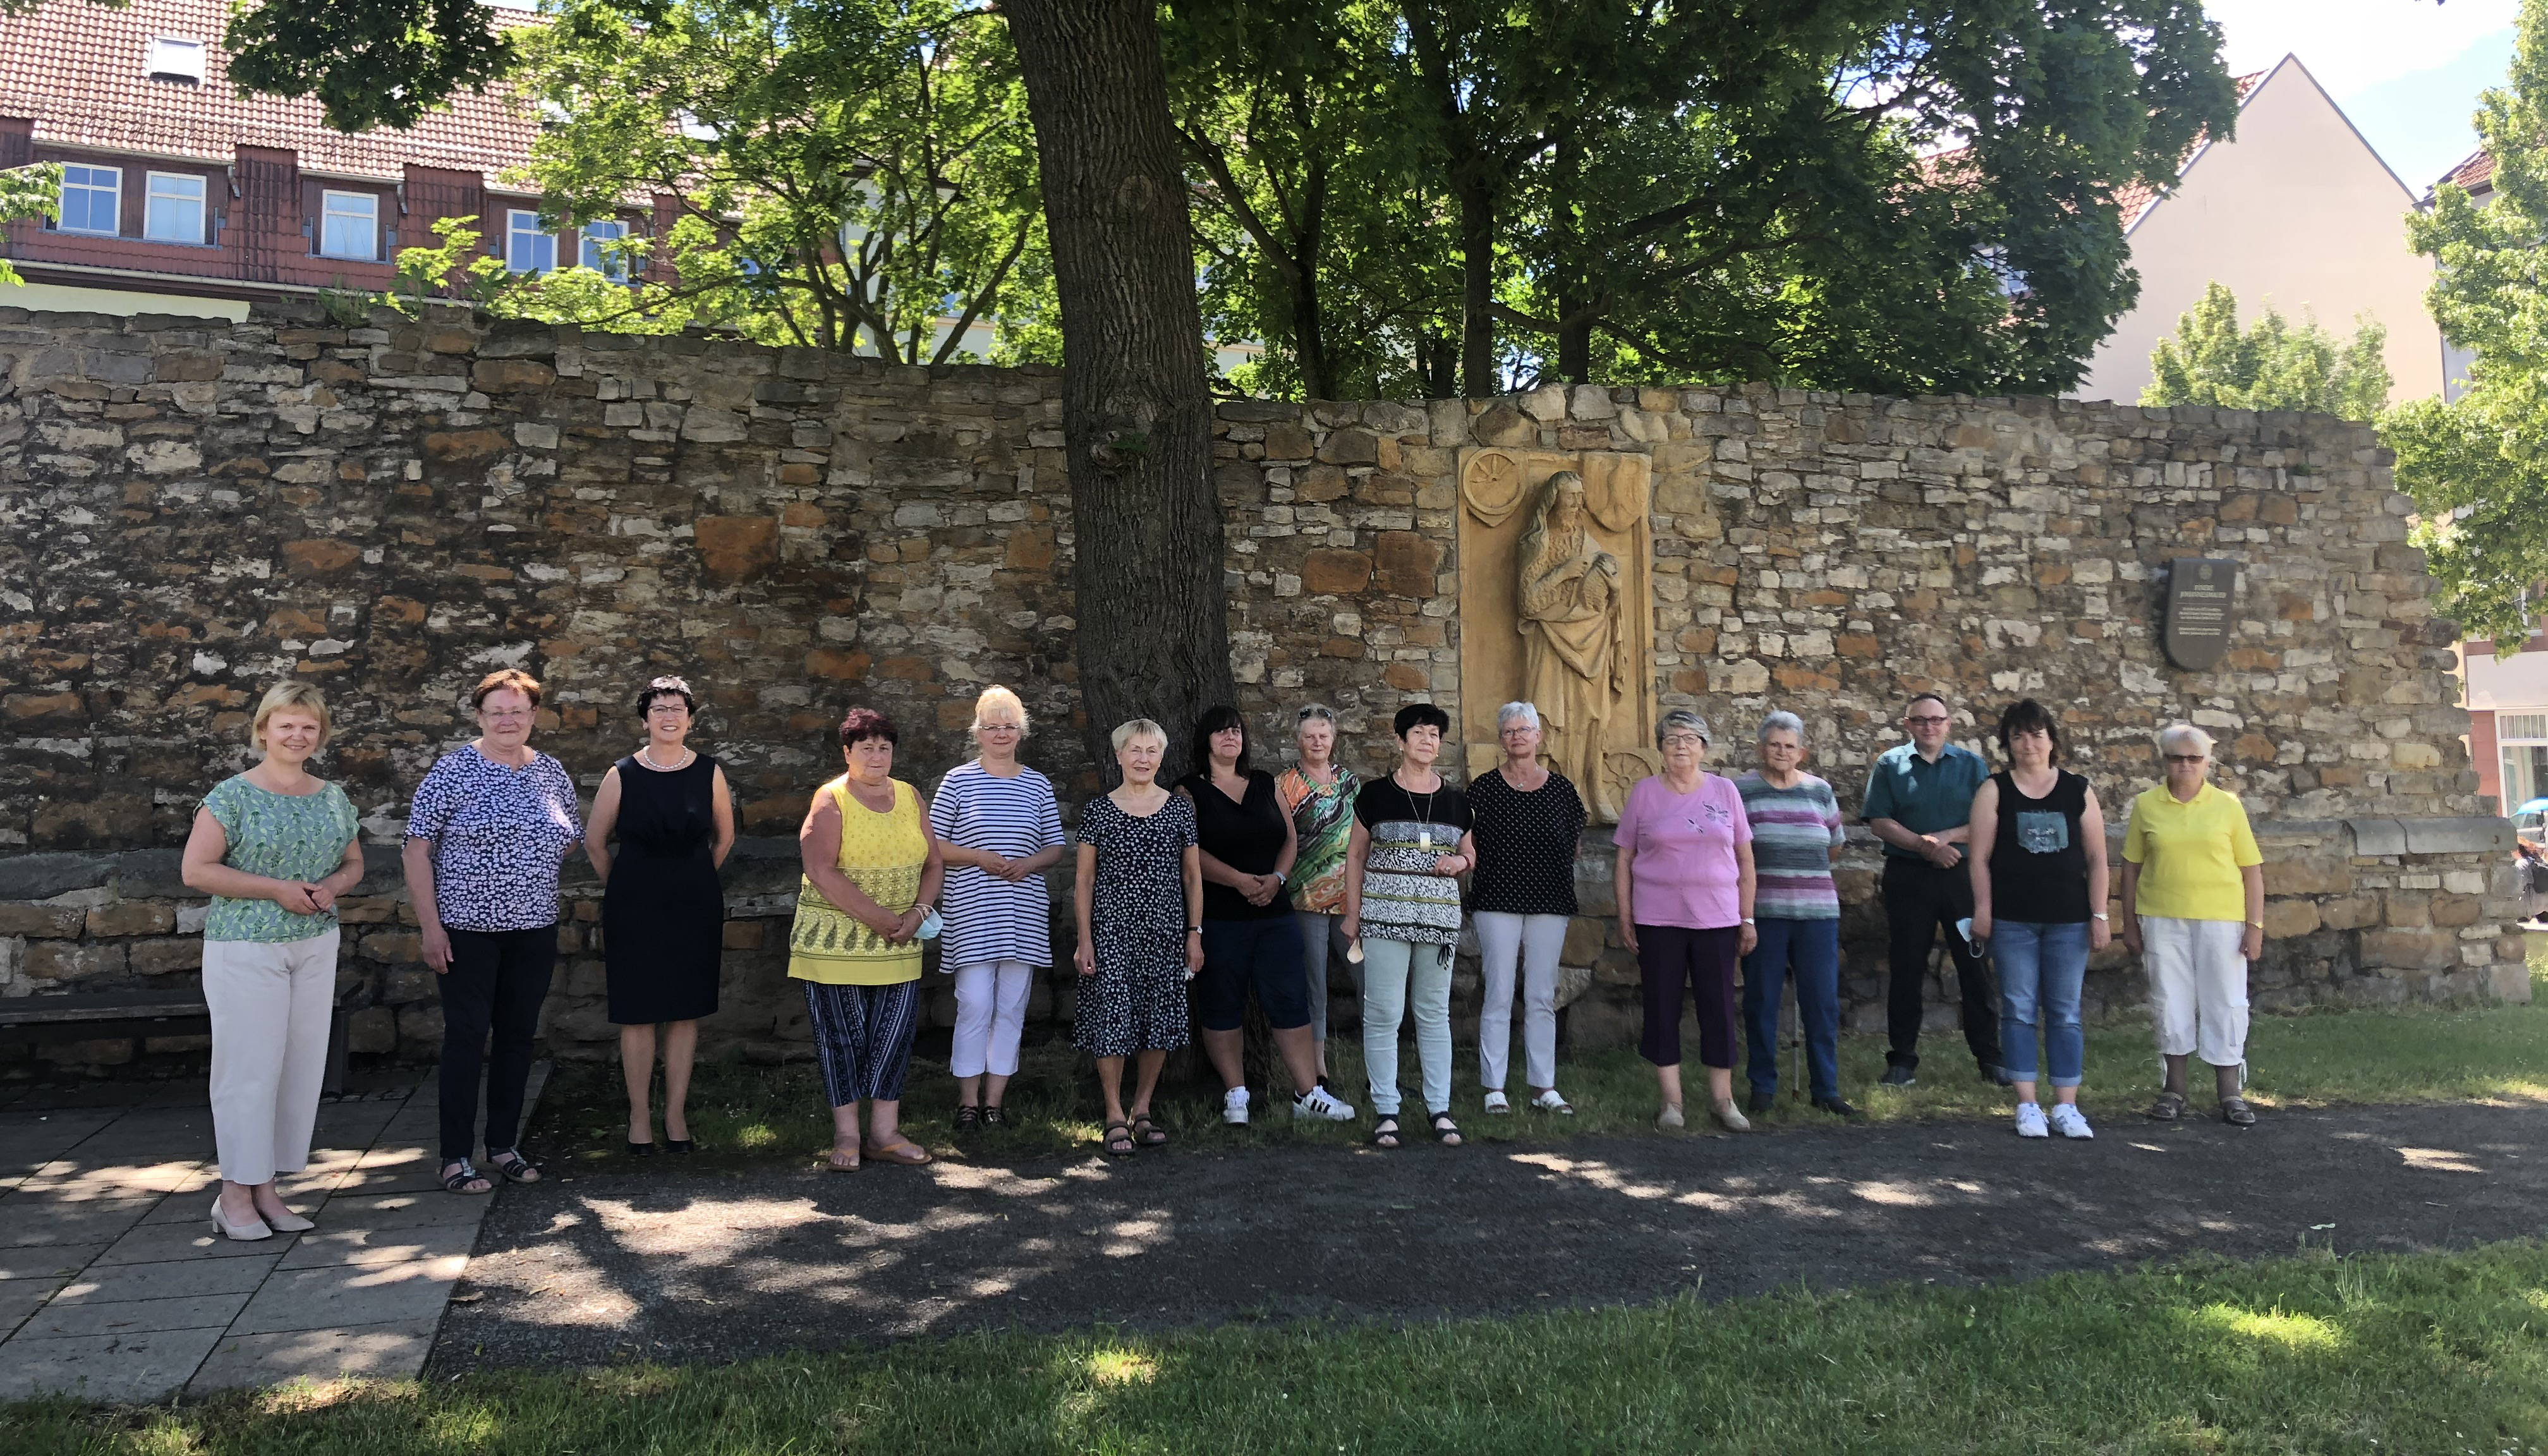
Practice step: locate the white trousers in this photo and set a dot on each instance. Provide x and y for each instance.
(990, 1014)
(2198, 988)
(1532, 940)
(271, 1005)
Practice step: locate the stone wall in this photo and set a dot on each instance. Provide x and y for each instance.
(196, 511)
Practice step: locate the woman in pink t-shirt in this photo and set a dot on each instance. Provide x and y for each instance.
(1684, 884)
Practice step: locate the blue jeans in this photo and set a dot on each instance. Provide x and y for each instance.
(2040, 968)
(1812, 948)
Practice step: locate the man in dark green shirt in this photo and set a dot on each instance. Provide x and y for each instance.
(1918, 801)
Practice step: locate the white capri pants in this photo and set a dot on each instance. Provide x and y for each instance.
(2198, 988)
(991, 1016)
(1534, 941)
(271, 1005)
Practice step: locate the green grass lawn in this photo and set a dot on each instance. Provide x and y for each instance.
(2439, 1354)
(2414, 1054)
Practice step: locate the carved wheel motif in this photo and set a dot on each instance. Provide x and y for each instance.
(1493, 487)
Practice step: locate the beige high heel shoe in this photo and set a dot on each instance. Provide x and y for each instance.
(247, 1233)
(287, 1222)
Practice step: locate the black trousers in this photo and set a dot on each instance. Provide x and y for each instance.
(497, 984)
(1920, 901)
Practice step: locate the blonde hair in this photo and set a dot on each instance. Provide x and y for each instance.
(1138, 728)
(294, 697)
(997, 696)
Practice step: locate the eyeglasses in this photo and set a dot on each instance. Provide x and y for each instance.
(669, 707)
(1926, 722)
(2189, 757)
(1516, 728)
(999, 728)
(1684, 739)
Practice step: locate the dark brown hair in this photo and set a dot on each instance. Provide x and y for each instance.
(2026, 715)
(664, 687)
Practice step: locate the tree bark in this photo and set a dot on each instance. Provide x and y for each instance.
(1153, 638)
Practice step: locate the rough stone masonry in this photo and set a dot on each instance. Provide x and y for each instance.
(389, 509)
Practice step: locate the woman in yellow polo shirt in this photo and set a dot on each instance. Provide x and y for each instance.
(2194, 910)
(872, 871)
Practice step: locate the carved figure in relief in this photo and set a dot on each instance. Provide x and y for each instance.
(1574, 665)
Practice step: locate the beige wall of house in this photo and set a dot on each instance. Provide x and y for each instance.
(2297, 211)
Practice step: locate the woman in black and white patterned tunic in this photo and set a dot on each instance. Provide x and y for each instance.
(1138, 866)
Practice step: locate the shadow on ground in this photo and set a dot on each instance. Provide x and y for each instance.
(720, 1263)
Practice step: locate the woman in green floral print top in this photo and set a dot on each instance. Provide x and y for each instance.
(274, 848)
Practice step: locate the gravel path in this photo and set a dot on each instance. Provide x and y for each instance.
(729, 1262)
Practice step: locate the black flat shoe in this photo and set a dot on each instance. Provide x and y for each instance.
(679, 1144)
(967, 1117)
(647, 1149)
(1760, 1102)
(1836, 1107)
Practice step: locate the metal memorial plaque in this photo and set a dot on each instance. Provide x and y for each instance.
(2199, 593)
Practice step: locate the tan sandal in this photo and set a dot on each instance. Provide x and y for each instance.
(842, 1160)
(908, 1154)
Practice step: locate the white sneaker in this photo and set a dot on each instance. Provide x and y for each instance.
(2069, 1121)
(1233, 1106)
(1497, 1101)
(1316, 1103)
(2030, 1121)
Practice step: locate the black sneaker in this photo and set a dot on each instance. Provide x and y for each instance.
(1896, 1076)
(1999, 1076)
(1760, 1101)
(1836, 1107)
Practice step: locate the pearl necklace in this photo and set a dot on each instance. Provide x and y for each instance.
(647, 754)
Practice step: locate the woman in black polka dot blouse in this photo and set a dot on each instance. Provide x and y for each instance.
(1528, 820)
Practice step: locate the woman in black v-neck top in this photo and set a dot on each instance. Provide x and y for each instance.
(1250, 938)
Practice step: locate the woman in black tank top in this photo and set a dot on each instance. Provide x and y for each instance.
(2038, 860)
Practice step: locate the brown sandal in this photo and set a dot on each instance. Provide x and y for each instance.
(908, 1154)
(834, 1159)
(1118, 1140)
(1147, 1132)
(2168, 1108)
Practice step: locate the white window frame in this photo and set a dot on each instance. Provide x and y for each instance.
(520, 225)
(154, 196)
(115, 192)
(613, 266)
(2521, 745)
(369, 214)
(174, 57)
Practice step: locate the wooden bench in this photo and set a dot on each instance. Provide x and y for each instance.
(35, 1020)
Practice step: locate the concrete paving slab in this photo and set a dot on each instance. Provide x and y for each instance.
(330, 1244)
(391, 1351)
(118, 1369)
(120, 1178)
(102, 1284)
(352, 1293)
(19, 1298)
(136, 1317)
(415, 1210)
(152, 1243)
(46, 1261)
(29, 1219)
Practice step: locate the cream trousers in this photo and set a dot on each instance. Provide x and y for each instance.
(271, 1005)
(2198, 988)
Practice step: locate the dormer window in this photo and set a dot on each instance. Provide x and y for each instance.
(175, 59)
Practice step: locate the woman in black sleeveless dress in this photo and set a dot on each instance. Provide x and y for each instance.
(663, 910)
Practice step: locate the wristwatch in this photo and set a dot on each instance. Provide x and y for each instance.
(2096, 914)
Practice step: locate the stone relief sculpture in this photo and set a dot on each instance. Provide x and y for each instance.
(1574, 641)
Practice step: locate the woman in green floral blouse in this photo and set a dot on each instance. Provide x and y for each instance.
(274, 848)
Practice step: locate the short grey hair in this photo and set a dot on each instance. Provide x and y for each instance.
(1516, 711)
(1782, 722)
(2176, 733)
(1138, 728)
(1680, 718)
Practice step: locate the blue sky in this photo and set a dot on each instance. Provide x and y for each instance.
(2408, 72)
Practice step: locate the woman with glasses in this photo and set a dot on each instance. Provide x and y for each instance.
(1529, 825)
(2194, 910)
(490, 825)
(663, 907)
(1684, 884)
(2038, 873)
(1319, 793)
(999, 830)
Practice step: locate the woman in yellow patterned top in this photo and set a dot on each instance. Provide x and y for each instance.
(872, 871)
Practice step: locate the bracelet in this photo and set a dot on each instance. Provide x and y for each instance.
(1193, 929)
(2096, 914)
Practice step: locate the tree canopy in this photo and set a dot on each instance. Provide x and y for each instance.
(2270, 365)
(2478, 465)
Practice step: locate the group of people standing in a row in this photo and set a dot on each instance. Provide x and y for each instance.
(1241, 881)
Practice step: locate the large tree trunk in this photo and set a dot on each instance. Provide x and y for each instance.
(1136, 416)
(1478, 375)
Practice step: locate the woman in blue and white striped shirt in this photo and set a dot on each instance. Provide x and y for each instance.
(999, 829)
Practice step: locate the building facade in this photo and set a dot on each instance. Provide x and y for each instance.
(2295, 210)
(179, 196)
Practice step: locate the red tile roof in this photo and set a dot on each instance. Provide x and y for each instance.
(76, 68)
(2475, 174)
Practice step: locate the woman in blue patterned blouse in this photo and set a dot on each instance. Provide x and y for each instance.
(490, 825)
(274, 848)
